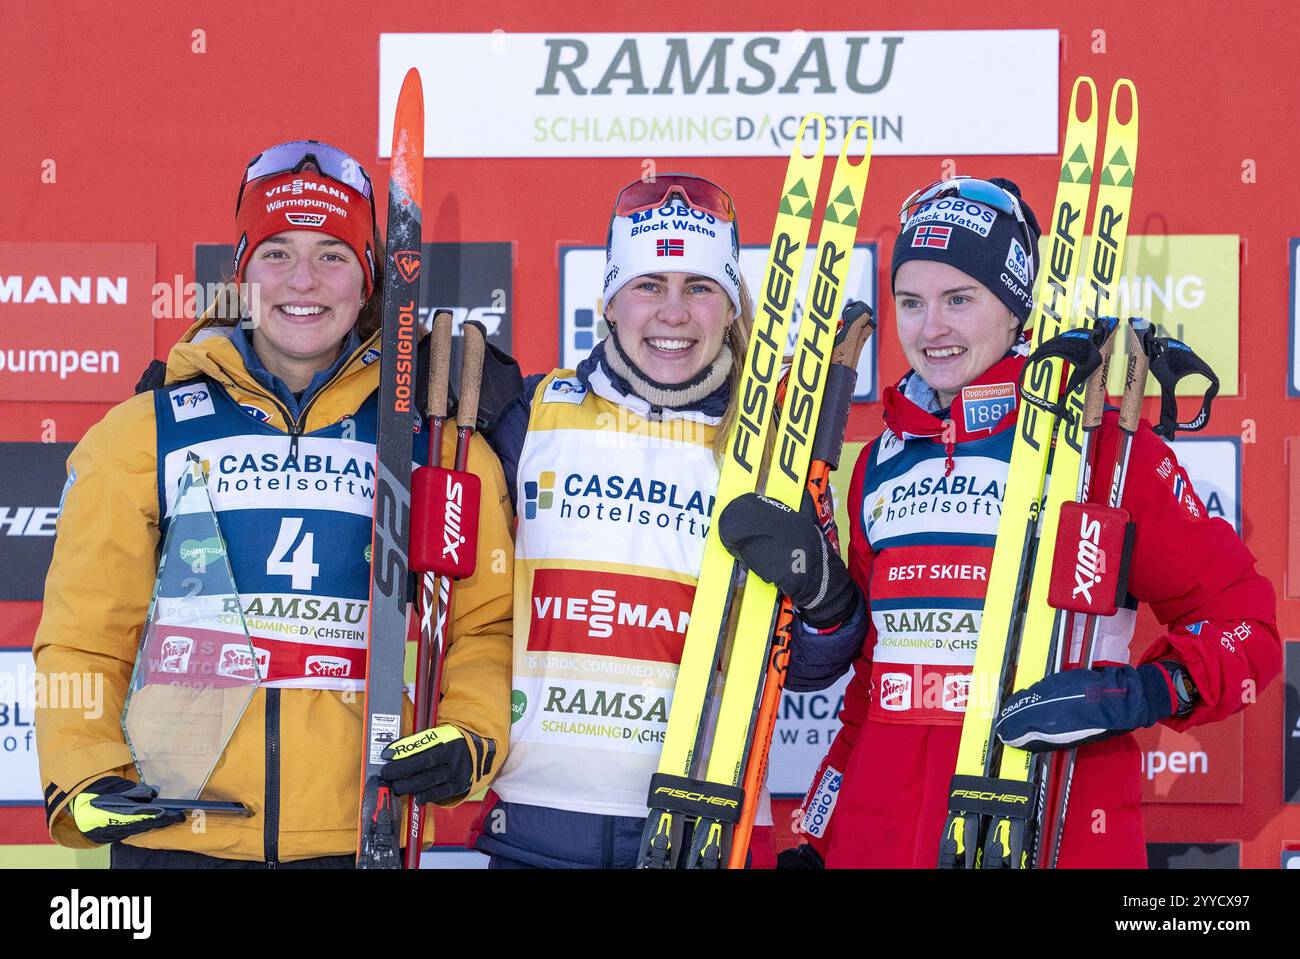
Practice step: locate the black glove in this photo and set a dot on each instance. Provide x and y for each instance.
(104, 826)
(803, 856)
(433, 765)
(788, 549)
(1078, 706)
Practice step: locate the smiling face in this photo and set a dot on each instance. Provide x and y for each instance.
(951, 326)
(307, 297)
(670, 325)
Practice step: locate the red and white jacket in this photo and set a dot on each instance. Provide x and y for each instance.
(924, 517)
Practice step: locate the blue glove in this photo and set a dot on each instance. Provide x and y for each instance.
(1078, 706)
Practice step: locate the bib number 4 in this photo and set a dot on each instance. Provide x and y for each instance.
(299, 565)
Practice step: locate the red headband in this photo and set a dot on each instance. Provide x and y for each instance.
(304, 201)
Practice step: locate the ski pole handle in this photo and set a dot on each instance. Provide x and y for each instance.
(474, 336)
(440, 372)
(1172, 360)
(1140, 337)
(1094, 397)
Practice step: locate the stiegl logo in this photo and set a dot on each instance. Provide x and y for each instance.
(75, 912)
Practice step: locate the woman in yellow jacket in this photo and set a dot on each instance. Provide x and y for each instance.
(282, 409)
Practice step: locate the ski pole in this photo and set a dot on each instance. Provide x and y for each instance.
(436, 414)
(444, 535)
(856, 327)
(1169, 360)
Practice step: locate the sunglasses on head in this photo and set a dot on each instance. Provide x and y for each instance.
(980, 191)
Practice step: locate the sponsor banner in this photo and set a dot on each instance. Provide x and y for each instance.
(609, 614)
(1199, 765)
(935, 637)
(1188, 286)
(598, 714)
(739, 94)
(1193, 855)
(582, 319)
(475, 281)
(805, 726)
(20, 778)
(1213, 464)
(259, 472)
(612, 485)
(1293, 302)
(1291, 725)
(32, 476)
(907, 504)
(963, 574)
(75, 321)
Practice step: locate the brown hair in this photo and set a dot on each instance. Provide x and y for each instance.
(228, 310)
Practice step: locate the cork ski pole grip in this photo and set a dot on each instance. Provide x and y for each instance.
(439, 364)
(1135, 376)
(471, 374)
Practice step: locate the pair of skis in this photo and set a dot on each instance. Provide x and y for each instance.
(993, 798)
(441, 541)
(701, 780)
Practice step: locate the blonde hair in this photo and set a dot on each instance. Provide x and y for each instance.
(741, 329)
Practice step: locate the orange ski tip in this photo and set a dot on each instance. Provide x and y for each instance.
(408, 139)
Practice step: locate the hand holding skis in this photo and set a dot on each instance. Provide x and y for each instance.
(1082, 706)
(433, 765)
(790, 551)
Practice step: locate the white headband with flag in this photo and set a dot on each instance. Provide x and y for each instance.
(672, 239)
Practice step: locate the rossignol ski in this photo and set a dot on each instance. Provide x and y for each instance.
(994, 799)
(828, 443)
(678, 793)
(377, 835)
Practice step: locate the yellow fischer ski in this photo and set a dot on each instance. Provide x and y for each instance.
(786, 480)
(1009, 839)
(673, 792)
(972, 796)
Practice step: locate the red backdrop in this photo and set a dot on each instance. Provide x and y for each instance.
(149, 140)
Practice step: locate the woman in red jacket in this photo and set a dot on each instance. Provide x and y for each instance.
(924, 506)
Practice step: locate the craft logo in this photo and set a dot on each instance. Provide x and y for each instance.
(1018, 262)
(306, 219)
(539, 494)
(334, 667)
(936, 236)
(896, 691)
(670, 248)
(238, 662)
(176, 651)
(620, 615)
(956, 692)
(408, 264)
(983, 407)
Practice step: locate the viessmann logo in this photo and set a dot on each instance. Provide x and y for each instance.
(609, 614)
(610, 498)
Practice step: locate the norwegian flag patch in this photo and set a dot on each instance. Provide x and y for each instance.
(670, 248)
(937, 236)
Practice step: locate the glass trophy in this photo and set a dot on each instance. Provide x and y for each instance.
(197, 669)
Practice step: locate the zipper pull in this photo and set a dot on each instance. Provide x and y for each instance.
(295, 431)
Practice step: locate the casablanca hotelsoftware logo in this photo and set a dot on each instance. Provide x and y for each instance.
(539, 494)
